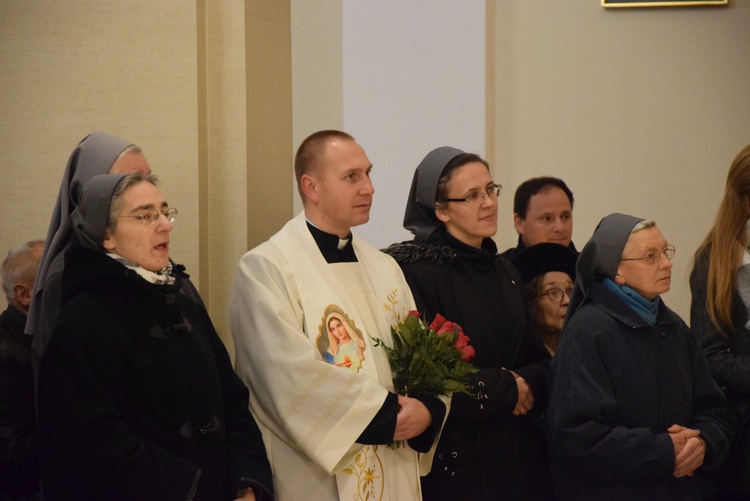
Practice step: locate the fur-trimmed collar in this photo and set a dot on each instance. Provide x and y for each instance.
(409, 252)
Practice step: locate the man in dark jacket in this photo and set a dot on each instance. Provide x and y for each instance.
(19, 468)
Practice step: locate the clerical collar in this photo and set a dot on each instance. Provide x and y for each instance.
(334, 249)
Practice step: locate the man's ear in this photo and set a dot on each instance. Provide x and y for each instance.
(309, 187)
(518, 223)
(23, 293)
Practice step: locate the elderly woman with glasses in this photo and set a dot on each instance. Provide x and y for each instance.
(488, 448)
(98, 153)
(548, 271)
(137, 398)
(634, 412)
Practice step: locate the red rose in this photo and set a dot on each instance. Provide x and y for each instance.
(413, 313)
(437, 323)
(467, 353)
(462, 341)
(462, 344)
(440, 325)
(448, 326)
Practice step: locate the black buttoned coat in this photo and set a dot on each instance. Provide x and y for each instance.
(616, 385)
(484, 452)
(137, 396)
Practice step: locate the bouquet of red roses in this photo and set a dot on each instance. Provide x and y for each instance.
(428, 359)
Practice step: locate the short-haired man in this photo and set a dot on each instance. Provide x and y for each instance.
(19, 465)
(542, 212)
(326, 426)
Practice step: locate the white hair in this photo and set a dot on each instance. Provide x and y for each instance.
(20, 266)
(642, 225)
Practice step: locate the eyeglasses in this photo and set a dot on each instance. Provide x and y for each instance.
(556, 295)
(478, 197)
(653, 257)
(149, 217)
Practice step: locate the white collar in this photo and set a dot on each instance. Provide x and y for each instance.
(161, 277)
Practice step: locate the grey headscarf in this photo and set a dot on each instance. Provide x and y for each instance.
(90, 217)
(94, 155)
(420, 217)
(600, 257)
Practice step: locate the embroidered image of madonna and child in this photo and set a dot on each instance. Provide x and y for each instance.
(339, 341)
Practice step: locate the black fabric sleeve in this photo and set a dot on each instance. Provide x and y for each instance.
(383, 425)
(496, 392)
(436, 407)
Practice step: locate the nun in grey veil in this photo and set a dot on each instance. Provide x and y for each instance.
(600, 257)
(94, 155)
(634, 412)
(488, 448)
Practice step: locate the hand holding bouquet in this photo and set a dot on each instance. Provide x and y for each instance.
(428, 359)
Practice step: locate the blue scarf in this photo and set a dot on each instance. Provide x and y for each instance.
(644, 307)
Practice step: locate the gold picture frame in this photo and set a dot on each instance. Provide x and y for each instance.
(660, 3)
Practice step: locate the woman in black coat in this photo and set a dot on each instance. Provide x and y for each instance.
(488, 448)
(137, 396)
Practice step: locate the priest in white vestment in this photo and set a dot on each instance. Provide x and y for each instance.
(306, 307)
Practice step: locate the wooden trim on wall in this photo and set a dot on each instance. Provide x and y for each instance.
(269, 117)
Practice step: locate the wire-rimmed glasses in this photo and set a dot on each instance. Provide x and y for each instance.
(478, 197)
(653, 256)
(149, 217)
(556, 295)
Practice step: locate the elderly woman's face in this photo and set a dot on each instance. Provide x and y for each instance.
(551, 312)
(146, 245)
(648, 280)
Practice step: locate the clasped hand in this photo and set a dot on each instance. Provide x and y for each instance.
(525, 397)
(689, 450)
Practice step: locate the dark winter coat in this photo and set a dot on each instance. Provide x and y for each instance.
(729, 361)
(485, 452)
(512, 252)
(137, 396)
(616, 385)
(19, 467)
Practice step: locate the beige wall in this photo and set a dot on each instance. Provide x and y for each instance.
(174, 77)
(639, 110)
(70, 68)
(317, 80)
